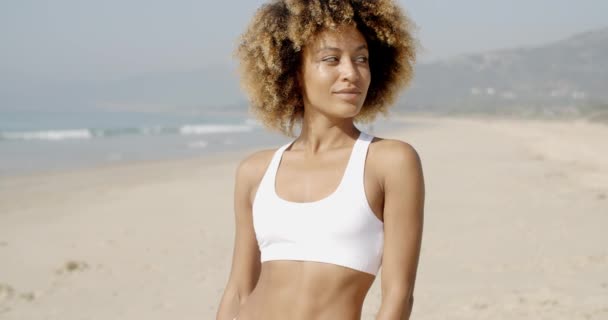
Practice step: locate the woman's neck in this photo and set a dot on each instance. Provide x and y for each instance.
(320, 133)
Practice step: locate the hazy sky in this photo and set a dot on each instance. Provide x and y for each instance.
(78, 39)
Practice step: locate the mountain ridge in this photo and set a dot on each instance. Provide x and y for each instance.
(565, 76)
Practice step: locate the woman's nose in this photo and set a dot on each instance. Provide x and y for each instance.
(349, 70)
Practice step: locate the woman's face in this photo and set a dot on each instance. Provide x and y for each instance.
(335, 73)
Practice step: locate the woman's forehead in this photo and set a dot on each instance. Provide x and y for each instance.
(342, 38)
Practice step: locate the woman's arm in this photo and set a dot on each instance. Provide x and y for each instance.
(403, 223)
(246, 266)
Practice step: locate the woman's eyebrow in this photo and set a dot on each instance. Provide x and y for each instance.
(361, 47)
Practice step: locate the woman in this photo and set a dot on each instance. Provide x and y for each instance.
(316, 218)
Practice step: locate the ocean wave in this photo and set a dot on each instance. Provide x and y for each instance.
(48, 135)
(72, 134)
(198, 144)
(253, 122)
(213, 128)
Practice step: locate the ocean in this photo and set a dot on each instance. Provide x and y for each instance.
(43, 141)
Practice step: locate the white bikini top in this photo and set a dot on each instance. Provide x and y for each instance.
(340, 229)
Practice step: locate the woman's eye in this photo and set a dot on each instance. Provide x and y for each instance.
(362, 59)
(330, 59)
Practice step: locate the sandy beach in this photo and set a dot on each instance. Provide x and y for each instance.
(516, 227)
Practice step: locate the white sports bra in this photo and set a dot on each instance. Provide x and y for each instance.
(340, 229)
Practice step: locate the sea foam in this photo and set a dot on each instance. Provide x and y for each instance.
(47, 135)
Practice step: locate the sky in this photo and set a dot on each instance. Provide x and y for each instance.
(70, 40)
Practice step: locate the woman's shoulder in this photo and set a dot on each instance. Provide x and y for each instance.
(253, 166)
(390, 155)
(392, 149)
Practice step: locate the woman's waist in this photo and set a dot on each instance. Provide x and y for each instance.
(269, 304)
(307, 290)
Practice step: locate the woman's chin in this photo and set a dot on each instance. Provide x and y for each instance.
(346, 110)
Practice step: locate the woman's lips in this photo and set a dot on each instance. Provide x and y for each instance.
(348, 96)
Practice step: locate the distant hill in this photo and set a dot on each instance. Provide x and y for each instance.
(568, 76)
(211, 87)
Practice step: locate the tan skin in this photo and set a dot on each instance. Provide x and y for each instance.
(310, 170)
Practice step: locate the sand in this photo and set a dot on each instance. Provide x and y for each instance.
(516, 228)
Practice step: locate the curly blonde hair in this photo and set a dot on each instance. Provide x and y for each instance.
(270, 52)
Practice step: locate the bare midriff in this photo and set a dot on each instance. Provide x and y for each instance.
(302, 290)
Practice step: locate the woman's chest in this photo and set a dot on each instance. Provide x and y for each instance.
(301, 180)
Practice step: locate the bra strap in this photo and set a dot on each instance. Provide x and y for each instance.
(271, 171)
(355, 170)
